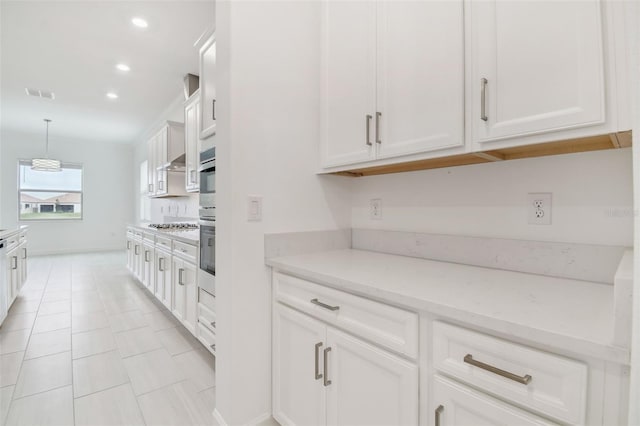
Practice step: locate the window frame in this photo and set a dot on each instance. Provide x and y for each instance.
(63, 164)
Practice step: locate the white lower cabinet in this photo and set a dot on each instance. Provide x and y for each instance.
(185, 289)
(164, 288)
(148, 268)
(457, 405)
(322, 375)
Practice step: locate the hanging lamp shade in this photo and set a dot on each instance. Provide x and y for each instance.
(46, 164)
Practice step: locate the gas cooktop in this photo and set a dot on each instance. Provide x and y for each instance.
(176, 226)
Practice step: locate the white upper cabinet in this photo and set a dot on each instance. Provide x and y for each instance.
(420, 76)
(192, 142)
(348, 81)
(164, 147)
(392, 79)
(536, 67)
(208, 88)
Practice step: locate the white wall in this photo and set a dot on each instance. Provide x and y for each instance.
(267, 144)
(163, 209)
(106, 197)
(592, 199)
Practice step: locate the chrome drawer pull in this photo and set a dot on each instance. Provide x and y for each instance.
(318, 374)
(213, 346)
(213, 324)
(324, 305)
(439, 411)
(327, 382)
(468, 358)
(180, 272)
(368, 124)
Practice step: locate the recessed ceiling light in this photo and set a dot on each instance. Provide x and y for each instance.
(139, 22)
(112, 95)
(123, 67)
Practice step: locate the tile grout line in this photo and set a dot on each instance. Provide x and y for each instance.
(27, 345)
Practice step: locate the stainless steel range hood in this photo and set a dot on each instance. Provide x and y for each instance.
(178, 164)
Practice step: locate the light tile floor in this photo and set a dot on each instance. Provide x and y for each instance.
(85, 344)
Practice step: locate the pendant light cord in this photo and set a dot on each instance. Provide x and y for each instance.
(47, 140)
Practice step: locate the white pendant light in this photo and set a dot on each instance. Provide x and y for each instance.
(46, 164)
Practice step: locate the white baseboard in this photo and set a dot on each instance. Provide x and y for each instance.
(33, 252)
(262, 420)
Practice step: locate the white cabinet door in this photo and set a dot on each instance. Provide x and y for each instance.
(298, 391)
(191, 138)
(543, 65)
(137, 259)
(178, 302)
(130, 255)
(456, 405)
(348, 82)
(22, 265)
(151, 166)
(163, 278)
(147, 267)
(13, 275)
(190, 280)
(369, 386)
(420, 76)
(162, 146)
(207, 108)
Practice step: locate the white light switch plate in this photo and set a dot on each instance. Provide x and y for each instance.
(254, 208)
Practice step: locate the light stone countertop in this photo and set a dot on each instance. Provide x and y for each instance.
(572, 315)
(4, 233)
(191, 236)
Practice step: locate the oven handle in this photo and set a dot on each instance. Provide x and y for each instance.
(208, 165)
(204, 222)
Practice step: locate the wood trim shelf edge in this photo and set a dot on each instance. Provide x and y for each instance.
(593, 143)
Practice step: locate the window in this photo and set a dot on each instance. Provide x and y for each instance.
(49, 195)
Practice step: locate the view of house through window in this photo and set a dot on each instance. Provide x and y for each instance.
(50, 195)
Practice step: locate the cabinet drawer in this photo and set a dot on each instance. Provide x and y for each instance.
(455, 404)
(555, 385)
(163, 242)
(207, 338)
(186, 251)
(391, 327)
(147, 236)
(12, 241)
(138, 234)
(207, 317)
(207, 299)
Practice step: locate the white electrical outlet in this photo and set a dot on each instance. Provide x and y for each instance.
(539, 208)
(375, 209)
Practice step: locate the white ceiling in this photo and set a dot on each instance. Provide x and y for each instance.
(72, 47)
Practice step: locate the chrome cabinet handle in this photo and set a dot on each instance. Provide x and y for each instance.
(136, 249)
(439, 411)
(160, 267)
(24, 252)
(326, 382)
(146, 255)
(180, 272)
(213, 324)
(483, 99)
(213, 109)
(324, 305)
(160, 185)
(368, 123)
(318, 375)
(468, 358)
(15, 262)
(378, 119)
(128, 245)
(213, 346)
(150, 187)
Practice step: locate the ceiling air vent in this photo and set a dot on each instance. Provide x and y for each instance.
(40, 93)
